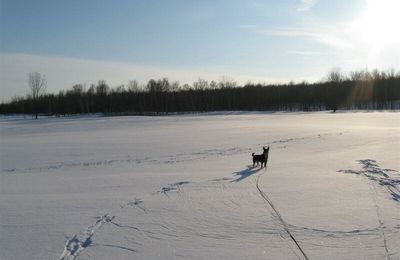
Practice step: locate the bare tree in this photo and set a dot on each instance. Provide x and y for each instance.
(174, 87)
(120, 89)
(37, 85)
(213, 84)
(78, 89)
(227, 82)
(356, 75)
(102, 88)
(133, 86)
(200, 84)
(335, 76)
(161, 85)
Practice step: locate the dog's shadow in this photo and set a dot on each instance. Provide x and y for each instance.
(243, 174)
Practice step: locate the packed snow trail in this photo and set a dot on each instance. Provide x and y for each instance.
(285, 226)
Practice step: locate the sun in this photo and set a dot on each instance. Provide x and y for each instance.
(379, 24)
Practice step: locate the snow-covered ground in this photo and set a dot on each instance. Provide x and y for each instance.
(181, 187)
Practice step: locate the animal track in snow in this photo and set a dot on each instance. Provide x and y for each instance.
(78, 243)
(172, 187)
(136, 203)
(168, 159)
(388, 178)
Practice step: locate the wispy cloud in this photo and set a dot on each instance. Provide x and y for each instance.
(306, 5)
(329, 39)
(306, 53)
(248, 26)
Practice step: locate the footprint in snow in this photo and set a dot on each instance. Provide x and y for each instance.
(172, 187)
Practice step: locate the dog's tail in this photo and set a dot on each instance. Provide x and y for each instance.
(252, 154)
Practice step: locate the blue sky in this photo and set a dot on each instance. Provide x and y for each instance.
(261, 41)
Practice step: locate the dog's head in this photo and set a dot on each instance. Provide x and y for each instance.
(266, 150)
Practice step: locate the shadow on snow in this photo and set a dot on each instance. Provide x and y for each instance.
(243, 174)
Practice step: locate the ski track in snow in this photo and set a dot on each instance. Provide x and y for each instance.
(381, 224)
(339, 234)
(278, 215)
(177, 158)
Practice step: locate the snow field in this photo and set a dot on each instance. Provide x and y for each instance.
(181, 187)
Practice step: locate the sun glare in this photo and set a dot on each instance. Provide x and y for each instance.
(379, 24)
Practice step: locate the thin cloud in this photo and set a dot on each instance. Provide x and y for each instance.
(248, 26)
(306, 53)
(306, 5)
(321, 37)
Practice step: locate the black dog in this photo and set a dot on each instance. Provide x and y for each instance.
(261, 158)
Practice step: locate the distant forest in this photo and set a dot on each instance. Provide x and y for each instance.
(357, 90)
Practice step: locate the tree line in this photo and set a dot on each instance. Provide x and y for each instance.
(357, 90)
